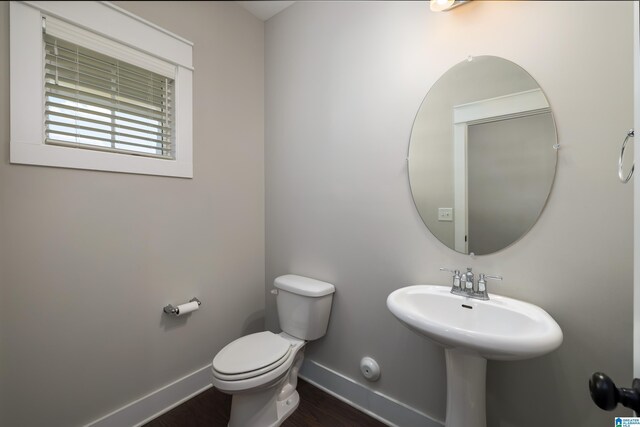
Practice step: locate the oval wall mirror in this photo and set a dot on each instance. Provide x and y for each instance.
(482, 155)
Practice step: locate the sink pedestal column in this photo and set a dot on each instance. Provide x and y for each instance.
(466, 382)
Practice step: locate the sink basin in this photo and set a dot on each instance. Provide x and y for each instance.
(499, 329)
(472, 331)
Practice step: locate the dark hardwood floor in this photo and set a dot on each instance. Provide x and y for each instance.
(317, 409)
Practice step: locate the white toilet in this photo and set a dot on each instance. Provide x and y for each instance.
(261, 370)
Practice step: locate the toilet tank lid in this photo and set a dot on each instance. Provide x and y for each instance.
(303, 286)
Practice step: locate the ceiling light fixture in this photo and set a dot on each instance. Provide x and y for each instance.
(445, 5)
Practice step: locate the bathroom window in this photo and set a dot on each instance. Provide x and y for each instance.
(97, 102)
(112, 98)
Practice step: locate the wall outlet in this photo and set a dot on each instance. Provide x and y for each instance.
(445, 214)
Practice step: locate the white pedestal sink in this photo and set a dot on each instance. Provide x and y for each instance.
(472, 331)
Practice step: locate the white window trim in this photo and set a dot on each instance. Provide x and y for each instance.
(27, 82)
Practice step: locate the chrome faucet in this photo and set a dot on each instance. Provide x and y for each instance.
(464, 284)
(468, 281)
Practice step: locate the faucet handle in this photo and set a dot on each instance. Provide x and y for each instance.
(456, 277)
(482, 282)
(456, 273)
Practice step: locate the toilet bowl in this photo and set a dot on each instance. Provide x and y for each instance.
(260, 370)
(262, 395)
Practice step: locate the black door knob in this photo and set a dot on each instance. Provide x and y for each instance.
(606, 395)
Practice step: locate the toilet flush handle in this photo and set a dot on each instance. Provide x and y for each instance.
(274, 291)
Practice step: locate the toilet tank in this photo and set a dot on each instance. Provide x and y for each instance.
(304, 306)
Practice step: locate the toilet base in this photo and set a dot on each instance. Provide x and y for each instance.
(270, 405)
(286, 408)
(252, 411)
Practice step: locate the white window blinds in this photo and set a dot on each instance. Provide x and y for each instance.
(96, 101)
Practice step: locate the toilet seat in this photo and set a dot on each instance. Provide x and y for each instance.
(251, 356)
(262, 377)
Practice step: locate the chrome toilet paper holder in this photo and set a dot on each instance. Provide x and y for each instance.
(175, 311)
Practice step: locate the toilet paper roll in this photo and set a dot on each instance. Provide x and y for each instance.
(187, 308)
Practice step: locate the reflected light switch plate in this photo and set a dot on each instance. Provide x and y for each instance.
(445, 214)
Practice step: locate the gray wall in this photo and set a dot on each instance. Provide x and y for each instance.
(343, 83)
(88, 259)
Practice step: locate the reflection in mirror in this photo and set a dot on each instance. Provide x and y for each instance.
(482, 155)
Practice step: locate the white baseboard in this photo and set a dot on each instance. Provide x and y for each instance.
(375, 404)
(158, 402)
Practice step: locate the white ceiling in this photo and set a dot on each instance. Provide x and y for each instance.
(265, 9)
